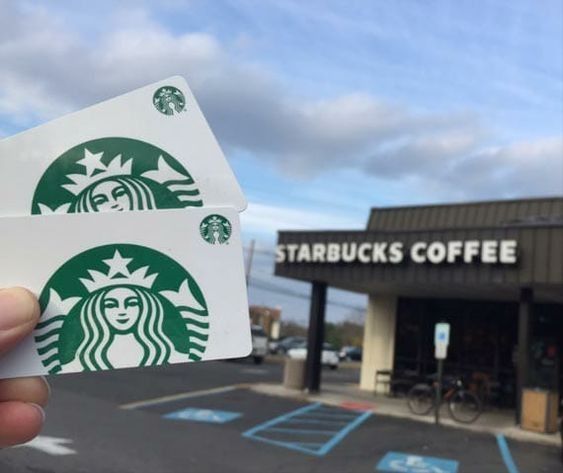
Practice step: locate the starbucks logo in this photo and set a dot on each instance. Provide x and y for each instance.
(114, 174)
(118, 306)
(215, 229)
(169, 100)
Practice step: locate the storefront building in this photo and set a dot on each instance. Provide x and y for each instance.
(493, 270)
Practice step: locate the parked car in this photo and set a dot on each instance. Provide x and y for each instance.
(276, 346)
(273, 346)
(259, 344)
(329, 355)
(349, 353)
(290, 342)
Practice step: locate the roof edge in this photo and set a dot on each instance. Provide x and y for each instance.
(471, 202)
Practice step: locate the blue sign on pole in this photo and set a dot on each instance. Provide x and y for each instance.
(203, 415)
(442, 333)
(405, 463)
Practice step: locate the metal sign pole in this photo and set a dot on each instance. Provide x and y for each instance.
(441, 342)
(439, 391)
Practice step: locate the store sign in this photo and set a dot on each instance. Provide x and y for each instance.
(396, 252)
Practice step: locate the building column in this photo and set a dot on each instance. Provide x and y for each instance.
(315, 337)
(379, 339)
(524, 338)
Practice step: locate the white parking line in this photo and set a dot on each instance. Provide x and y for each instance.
(177, 397)
(50, 445)
(259, 371)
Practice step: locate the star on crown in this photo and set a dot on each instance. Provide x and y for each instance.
(118, 275)
(96, 170)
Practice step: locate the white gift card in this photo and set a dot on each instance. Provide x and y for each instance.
(148, 149)
(128, 289)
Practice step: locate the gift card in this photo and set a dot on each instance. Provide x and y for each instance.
(149, 149)
(131, 289)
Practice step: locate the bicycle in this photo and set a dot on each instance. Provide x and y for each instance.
(463, 406)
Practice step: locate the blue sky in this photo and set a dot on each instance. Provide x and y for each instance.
(324, 109)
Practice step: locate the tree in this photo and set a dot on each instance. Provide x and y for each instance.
(344, 333)
(292, 329)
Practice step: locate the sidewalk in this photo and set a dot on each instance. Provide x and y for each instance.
(493, 421)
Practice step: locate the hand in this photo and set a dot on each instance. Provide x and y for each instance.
(21, 399)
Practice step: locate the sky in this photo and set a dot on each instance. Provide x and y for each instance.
(324, 109)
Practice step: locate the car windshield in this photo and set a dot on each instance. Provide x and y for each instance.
(258, 332)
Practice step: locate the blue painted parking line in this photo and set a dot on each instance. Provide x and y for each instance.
(505, 454)
(325, 428)
(303, 420)
(203, 415)
(407, 463)
(330, 416)
(303, 431)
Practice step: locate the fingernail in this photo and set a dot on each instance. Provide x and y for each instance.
(48, 386)
(16, 308)
(39, 409)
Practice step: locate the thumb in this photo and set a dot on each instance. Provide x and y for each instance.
(19, 313)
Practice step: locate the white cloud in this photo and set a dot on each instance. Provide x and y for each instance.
(526, 168)
(265, 219)
(49, 69)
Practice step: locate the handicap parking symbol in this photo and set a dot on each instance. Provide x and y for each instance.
(405, 463)
(203, 415)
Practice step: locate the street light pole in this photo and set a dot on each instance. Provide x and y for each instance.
(249, 258)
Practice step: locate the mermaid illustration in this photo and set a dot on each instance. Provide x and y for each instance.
(117, 193)
(169, 100)
(121, 322)
(215, 229)
(116, 187)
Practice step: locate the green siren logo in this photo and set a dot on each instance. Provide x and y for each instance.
(215, 229)
(114, 174)
(118, 306)
(169, 100)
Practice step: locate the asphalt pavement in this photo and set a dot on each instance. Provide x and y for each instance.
(201, 418)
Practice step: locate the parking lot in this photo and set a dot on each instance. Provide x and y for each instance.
(202, 417)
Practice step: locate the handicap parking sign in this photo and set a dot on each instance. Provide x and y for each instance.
(203, 415)
(442, 334)
(405, 463)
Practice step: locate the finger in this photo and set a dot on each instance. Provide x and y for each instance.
(31, 390)
(19, 422)
(19, 313)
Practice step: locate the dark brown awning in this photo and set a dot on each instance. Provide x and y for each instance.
(538, 263)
